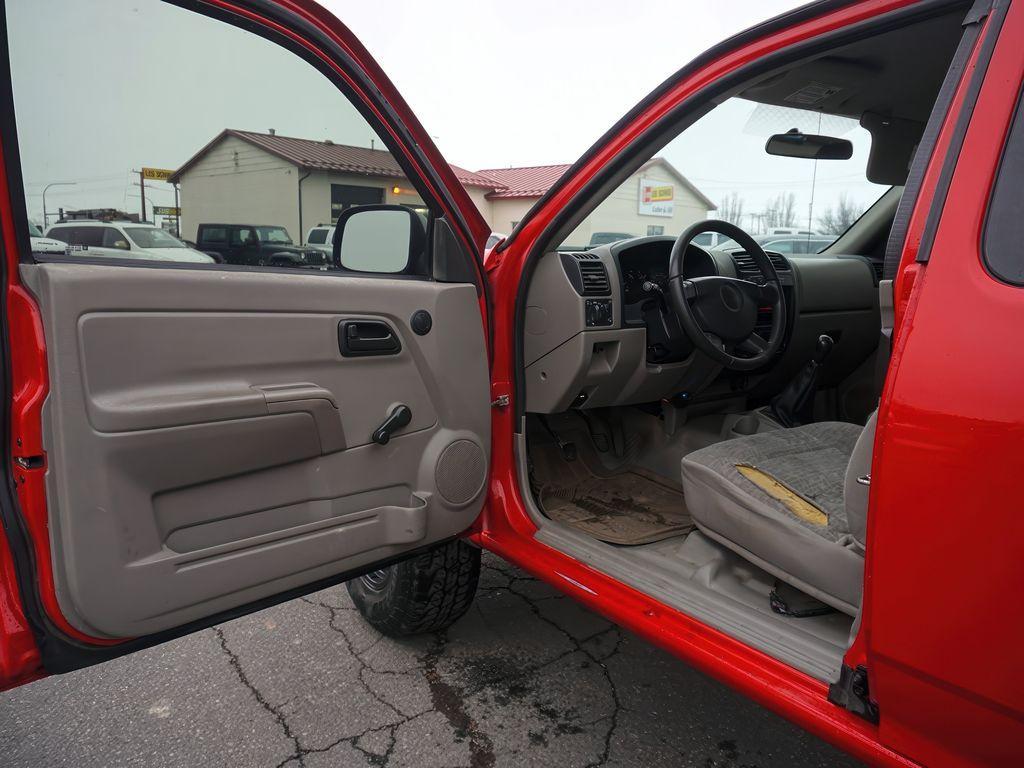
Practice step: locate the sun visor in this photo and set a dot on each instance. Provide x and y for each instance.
(893, 141)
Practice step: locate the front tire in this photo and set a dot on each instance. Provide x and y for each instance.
(426, 593)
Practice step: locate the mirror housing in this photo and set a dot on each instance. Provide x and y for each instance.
(809, 146)
(380, 238)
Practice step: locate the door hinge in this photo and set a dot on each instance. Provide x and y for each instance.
(501, 401)
(851, 692)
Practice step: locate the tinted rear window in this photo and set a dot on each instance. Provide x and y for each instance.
(1003, 245)
(90, 236)
(213, 235)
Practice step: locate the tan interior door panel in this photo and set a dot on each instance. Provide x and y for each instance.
(208, 444)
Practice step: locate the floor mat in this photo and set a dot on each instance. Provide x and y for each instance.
(627, 508)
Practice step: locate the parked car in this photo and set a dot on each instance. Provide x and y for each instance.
(124, 240)
(42, 244)
(492, 240)
(713, 240)
(604, 238)
(801, 479)
(792, 231)
(795, 244)
(321, 237)
(257, 245)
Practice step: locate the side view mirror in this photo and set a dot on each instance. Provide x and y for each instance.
(378, 238)
(809, 146)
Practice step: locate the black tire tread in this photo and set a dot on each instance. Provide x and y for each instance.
(426, 593)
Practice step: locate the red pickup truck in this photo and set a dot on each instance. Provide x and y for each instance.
(799, 474)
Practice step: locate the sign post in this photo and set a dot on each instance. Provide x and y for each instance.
(155, 174)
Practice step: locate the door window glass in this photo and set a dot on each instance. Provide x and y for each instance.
(1004, 227)
(247, 133)
(243, 236)
(112, 238)
(87, 236)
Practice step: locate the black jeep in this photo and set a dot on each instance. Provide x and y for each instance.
(257, 246)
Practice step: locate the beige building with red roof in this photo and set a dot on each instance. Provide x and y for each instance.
(245, 177)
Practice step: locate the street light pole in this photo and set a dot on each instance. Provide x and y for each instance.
(54, 184)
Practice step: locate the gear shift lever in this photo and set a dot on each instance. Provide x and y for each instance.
(793, 405)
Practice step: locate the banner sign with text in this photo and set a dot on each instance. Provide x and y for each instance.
(656, 198)
(157, 174)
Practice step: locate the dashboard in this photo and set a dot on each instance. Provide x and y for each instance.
(648, 262)
(594, 336)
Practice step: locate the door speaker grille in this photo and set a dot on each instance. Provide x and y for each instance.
(461, 471)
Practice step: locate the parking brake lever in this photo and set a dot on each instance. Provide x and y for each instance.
(399, 417)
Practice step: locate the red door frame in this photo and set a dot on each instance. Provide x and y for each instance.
(942, 625)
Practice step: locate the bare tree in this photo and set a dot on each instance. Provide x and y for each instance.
(781, 211)
(835, 221)
(731, 209)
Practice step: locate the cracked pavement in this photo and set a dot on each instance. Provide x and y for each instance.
(526, 678)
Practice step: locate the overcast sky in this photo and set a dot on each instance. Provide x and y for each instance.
(101, 88)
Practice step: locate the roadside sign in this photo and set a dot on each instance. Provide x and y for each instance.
(656, 198)
(157, 174)
(166, 210)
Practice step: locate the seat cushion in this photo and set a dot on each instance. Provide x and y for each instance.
(815, 552)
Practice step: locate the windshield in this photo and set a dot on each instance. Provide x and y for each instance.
(718, 169)
(33, 230)
(274, 235)
(153, 237)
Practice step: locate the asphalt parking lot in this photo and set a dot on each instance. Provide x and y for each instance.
(527, 678)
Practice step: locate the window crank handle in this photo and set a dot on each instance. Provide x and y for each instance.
(399, 417)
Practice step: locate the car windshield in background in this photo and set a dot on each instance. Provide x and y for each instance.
(317, 237)
(718, 168)
(274, 235)
(33, 230)
(150, 237)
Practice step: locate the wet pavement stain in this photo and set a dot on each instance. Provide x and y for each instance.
(526, 678)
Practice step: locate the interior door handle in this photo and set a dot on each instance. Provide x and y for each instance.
(361, 338)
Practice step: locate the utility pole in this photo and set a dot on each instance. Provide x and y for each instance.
(177, 213)
(142, 193)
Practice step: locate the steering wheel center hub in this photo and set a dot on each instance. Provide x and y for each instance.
(724, 307)
(732, 298)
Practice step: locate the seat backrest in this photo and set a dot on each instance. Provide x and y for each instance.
(855, 494)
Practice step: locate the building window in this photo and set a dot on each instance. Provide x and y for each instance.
(347, 195)
(655, 229)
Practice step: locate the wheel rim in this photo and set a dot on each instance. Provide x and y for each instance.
(375, 580)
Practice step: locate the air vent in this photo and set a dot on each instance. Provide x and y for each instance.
(587, 274)
(747, 269)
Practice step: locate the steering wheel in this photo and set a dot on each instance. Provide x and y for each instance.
(719, 313)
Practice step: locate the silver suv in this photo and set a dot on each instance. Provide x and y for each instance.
(124, 240)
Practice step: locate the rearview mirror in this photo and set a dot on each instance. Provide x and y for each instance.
(377, 238)
(809, 146)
